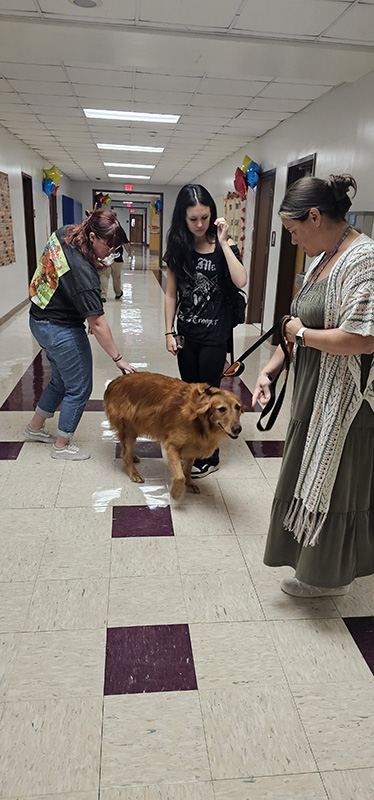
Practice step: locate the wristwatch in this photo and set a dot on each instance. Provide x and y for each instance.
(300, 337)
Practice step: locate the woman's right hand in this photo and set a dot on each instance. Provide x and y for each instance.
(171, 344)
(124, 366)
(261, 393)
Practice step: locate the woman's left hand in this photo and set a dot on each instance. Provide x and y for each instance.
(292, 327)
(222, 229)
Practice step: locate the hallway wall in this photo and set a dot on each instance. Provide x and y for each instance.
(16, 158)
(339, 127)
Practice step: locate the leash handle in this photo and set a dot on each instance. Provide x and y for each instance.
(273, 406)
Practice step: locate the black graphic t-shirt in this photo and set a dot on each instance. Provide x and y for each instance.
(204, 313)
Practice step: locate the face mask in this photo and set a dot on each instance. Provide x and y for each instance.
(108, 260)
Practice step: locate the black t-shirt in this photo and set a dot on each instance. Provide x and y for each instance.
(65, 288)
(204, 313)
(118, 255)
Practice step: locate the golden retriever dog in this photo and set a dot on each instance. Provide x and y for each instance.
(188, 419)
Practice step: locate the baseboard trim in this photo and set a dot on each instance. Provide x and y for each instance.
(14, 311)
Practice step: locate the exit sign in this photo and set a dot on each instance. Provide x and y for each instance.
(128, 187)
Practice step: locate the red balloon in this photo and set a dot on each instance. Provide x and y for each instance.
(240, 184)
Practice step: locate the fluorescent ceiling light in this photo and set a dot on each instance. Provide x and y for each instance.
(133, 177)
(135, 148)
(134, 116)
(135, 166)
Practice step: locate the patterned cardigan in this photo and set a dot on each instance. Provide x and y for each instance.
(349, 305)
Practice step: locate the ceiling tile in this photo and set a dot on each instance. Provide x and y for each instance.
(49, 100)
(296, 17)
(274, 104)
(231, 86)
(194, 13)
(145, 95)
(166, 83)
(226, 101)
(17, 5)
(295, 91)
(103, 93)
(33, 72)
(356, 26)
(112, 10)
(40, 87)
(100, 77)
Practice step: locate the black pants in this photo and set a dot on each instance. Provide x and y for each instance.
(201, 363)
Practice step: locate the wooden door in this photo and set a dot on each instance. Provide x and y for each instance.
(260, 247)
(28, 207)
(287, 267)
(136, 228)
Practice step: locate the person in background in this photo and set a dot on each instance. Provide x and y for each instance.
(200, 259)
(115, 270)
(64, 293)
(322, 519)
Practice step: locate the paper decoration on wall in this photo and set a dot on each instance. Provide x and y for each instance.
(7, 254)
(234, 213)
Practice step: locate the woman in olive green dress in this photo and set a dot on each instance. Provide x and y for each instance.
(322, 519)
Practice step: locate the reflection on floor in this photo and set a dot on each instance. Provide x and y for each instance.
(146, 652)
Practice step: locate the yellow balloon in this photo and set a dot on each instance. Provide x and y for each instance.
(107, 200)
(245, 164)
(53, 174)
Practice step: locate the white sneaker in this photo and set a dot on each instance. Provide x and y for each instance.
(299, 589)
(70, 453)
(41, 435)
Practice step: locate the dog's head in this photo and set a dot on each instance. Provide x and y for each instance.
(221, 408)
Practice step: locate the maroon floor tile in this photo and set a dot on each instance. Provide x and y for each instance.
(26, 393)
(238, 387)
(362, 630)
(141, 521)
(9, 451)
(143, 450)
(149, 658)
(262, 449)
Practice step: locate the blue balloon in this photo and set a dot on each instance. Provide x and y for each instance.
(158, 205)
(252, 174)
(48, 186)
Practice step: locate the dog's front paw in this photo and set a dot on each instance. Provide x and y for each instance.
(176, 489)
(136, 477)
(191, 487)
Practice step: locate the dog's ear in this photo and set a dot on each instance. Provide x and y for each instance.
(199, 403)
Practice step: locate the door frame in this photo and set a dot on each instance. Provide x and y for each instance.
(29, 215)
(257, 270)
(287, 253)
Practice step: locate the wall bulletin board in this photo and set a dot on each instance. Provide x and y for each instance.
(7, 253)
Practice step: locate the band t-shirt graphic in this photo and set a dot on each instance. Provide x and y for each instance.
(203, 313)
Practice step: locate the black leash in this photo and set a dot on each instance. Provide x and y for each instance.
(236, 369)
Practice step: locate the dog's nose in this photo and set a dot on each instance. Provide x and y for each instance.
(236, 428)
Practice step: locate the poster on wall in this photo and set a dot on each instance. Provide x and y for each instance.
(7, 254)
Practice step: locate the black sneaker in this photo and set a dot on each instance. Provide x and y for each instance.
(203, 467)
(118, 296)
(103, 299)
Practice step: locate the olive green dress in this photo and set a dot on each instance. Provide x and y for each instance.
(345, 549)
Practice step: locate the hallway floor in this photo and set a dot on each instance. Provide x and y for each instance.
(146, 651)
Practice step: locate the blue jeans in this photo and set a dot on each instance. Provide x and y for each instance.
(69, 354)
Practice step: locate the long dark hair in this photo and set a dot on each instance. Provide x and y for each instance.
(180, 240)
(330, 197)
(104, 225)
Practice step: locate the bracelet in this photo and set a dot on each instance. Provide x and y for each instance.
(266, 375)
(170, 333)
(117, 358)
